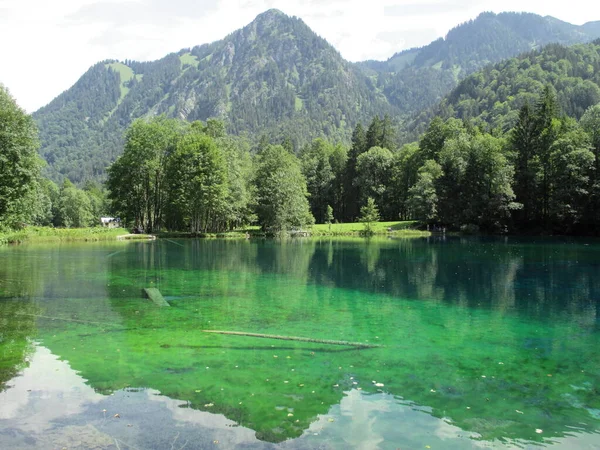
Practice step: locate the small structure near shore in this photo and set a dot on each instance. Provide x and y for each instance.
(110, 222)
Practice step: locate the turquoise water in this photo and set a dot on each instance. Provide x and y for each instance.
(483, 343)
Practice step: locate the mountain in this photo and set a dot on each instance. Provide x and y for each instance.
(274, 77)
(492, 97)
(420, 77)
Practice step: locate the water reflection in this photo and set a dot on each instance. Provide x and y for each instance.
(488, 340)
(46, 410)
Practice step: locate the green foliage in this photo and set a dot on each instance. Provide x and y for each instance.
(281, 191)
(493, 97)
(316, 167)
(373, 177)
(197, 182)
(540, 178)
(351, 192)
(240, 171)
(590, 123)
(404, 169)
(422, 197)
(369, 214)
(183, 176)
(47, 195)
(48, 234)
(329, 216)
(571, 164)
(137, 182)
(74, 208)
(476, 183)
(19, 164)
(338, 161)
(381, 133)
(396, 229)
(500, 152)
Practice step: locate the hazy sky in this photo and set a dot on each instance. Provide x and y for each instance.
(47, 45)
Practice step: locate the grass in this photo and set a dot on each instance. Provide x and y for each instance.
(126, 74)
(186, 234)
(394, 229)
(406, 228)
(47, 234)
(189, 59)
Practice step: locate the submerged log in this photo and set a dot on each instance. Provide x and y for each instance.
(156, 297)
(295, 338)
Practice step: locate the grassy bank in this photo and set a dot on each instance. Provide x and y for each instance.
(47, 234)
(236, 234)
(399, 229)
(396, 229)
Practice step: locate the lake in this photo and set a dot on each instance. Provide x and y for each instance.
(481, 343)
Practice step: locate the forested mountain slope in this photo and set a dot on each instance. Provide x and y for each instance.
(493, 96)
(418, 78)
(277, 78)
(273, 77)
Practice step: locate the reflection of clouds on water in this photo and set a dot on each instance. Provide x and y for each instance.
(46, 390)
(230, 434)
(50, 398)
(50, 406)
(363, 421)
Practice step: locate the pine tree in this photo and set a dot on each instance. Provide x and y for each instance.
(351, 190)
(524, 141)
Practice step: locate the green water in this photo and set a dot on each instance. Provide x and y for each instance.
(484, 343)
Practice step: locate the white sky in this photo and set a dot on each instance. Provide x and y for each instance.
(47, 45)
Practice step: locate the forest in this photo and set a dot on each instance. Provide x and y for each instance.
(541, 176)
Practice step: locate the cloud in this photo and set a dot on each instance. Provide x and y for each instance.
(419, 9)
(5, 14)
(408, 39)
(154, 12)
(50, 388)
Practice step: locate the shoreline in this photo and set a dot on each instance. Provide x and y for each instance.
(32, 235)
(49, 234)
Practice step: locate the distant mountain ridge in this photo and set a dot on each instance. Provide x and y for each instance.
(274, 77)
(422, 76)
(485, 34)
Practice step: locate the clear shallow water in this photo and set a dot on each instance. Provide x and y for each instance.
(486, 343)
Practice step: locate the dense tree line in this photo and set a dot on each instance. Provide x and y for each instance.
(540, 176)
(179, 176)
(25, 196)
